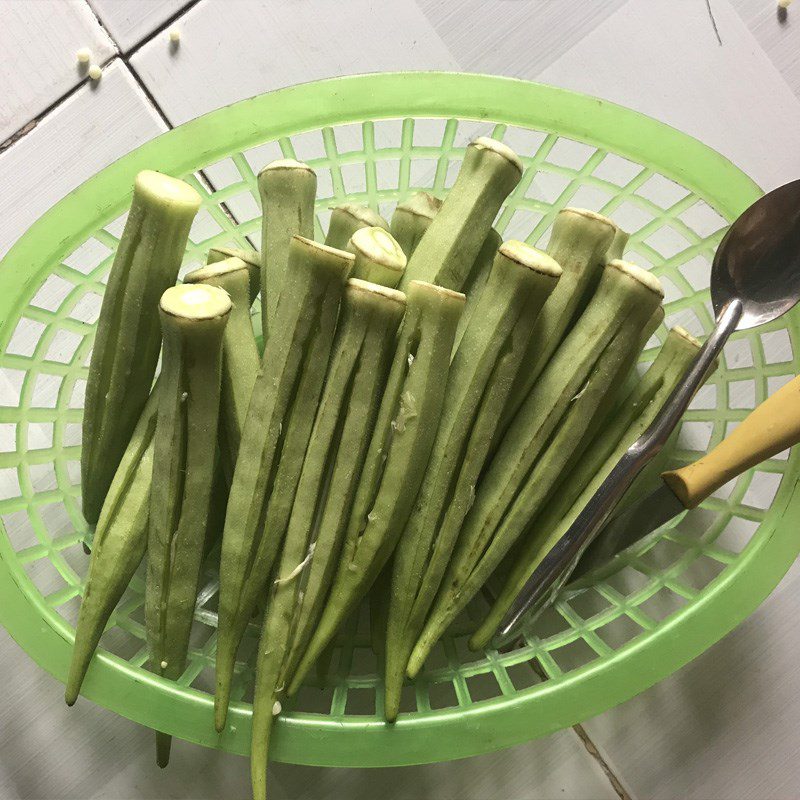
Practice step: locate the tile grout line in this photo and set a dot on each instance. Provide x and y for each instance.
(590, 746)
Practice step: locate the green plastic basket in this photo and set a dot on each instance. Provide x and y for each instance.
(375, 139)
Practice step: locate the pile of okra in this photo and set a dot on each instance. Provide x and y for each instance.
(423, 413)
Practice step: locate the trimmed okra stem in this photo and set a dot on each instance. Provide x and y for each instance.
(634, 417)
(287, 189)
(447, 251)
(240, 361)
(119, 543)
(369, 319)
(275, 435)
(398, 452)
(411, 219)
(346, 219)
(250, 257)
(539, 443)
(379, 258)
(579, 242)
(520, 282)
(193, 320)
(128, 338)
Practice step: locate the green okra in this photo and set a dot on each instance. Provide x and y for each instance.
(449, 247)
(346, 219)
(193, 320)
(274, 441)
(379, 599)
(368, 322)
(250, 257)
(411, 219)
(616, 249)
(632, 419)
(398, 453)
(538, 445)
(128, 337)
(120, 540)
(287, 189)
(379, 258)
(579, 242)
(520, 281)
(240, 360)
(476, 280)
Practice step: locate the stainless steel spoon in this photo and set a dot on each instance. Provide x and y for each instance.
(754, 279)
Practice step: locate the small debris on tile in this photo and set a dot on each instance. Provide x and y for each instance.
(83, 55)
(174, 36)
(95, 72)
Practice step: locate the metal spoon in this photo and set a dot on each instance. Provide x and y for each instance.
(755, 278)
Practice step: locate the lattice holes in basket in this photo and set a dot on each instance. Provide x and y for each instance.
(44, 364)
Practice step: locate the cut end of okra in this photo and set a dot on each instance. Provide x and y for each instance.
(286, 163)
(421, 289)
(336, 259)
(527, 256)
(618, 244)
(356, 285)
(420, 204)
(642, 276)
(250, 257)
(216, 270)
(677, 330)
(378, 257)
(195, 302)
(167, 191)
(487, 143)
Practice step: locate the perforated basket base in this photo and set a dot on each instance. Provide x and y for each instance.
(375, 139)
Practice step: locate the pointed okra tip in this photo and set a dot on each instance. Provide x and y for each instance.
(164, 189)
(195, 301)
(642, 276)
(530, 257)
(496, 146)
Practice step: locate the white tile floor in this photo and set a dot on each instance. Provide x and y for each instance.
(722, 727)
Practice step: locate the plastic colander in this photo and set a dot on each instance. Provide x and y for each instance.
(375, 139)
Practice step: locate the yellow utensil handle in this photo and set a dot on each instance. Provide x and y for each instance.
(768, 429)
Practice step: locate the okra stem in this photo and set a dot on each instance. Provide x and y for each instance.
(411, 219)
(520, 282)
(346, 219)
(128, 337)
(450, 245)
(579, 242)
(528, 463)
(287, 189)
(240, 361)
(275, 436)
(633, 418)
(193, 320)
(379, 258)
(398, 453)
(368, 312)
(119, 543)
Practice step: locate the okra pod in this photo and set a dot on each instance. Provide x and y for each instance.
(520, 282)
(579, 242)
(287, 189)
(128, 337)
(538, 444)
(411, 219)
(449, 247)
(346, 219)
(240, 361)
(370, 316)
(397, 456)
(669, 368)
(250, 257)
(275, 435)
(120, 540)
(379, 258)
(193, 320)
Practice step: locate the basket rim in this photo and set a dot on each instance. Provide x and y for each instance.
(492, 724)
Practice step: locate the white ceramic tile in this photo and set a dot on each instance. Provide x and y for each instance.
(274, 43)
(131, 21)
(725, 726)
(95, 126)
(513, 38)
(729, 96)
(38, 42)
(50, 751)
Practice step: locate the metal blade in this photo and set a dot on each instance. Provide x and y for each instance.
(646, 516)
